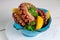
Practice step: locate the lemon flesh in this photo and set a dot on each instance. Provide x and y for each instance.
(48, 15)
(15, 10)
(39, 23)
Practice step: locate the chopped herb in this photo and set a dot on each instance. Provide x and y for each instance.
(32, 23)
(29, 27)
(32, 9)
(33, 12)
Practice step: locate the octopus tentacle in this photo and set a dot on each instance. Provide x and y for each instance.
(23, 16)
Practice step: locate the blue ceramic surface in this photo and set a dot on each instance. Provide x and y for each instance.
(17, 26)
(45, 10)
(30, 33)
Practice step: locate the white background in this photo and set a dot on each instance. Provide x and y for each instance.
(52, 5)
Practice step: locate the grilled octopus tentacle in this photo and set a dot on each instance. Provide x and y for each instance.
(24, 9)
(23, 17)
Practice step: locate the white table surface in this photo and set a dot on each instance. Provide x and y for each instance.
(53, 5)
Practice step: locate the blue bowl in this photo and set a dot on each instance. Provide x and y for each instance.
(30, 33)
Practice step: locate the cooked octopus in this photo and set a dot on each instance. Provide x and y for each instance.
(24, 7)
(24, 17)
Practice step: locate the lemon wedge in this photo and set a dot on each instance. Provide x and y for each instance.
(15, 10)
(40, 22)
(48, 15)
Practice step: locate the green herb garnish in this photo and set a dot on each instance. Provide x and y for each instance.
(32, 23)
(33, 12)
(32, 9)
(30, 28)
